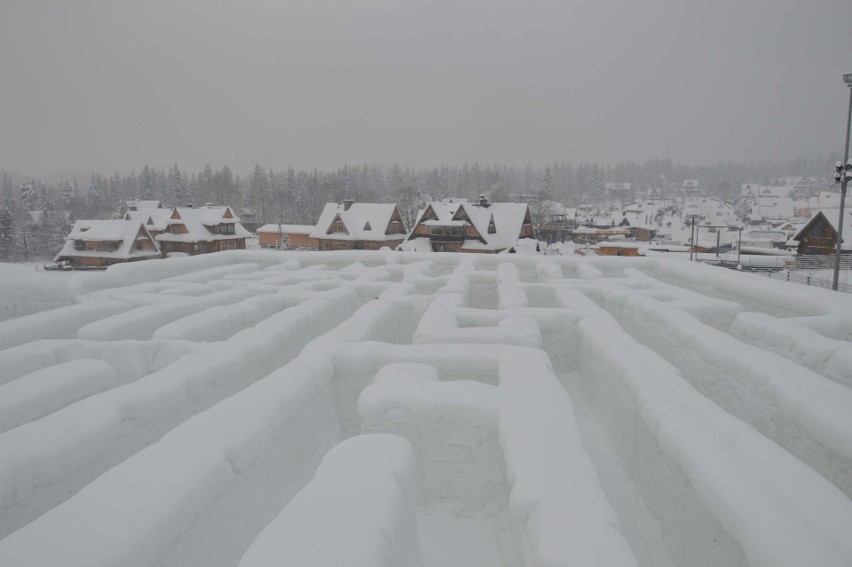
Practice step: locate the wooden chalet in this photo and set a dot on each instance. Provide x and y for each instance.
(819, 236)
(202, 230)
(619, 248)
(101, 243)
(155, 220)
(297, 235)
(486, 228)
(359, 226)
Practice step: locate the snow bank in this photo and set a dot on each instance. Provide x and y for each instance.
(802, 411)
(556, 497)
(827, 356)
(710, 479)
(47, 460)
(130, 359)
(140, 323)
(509, 292)
(517, 330)
(129, 273)
(24, 291)
(754, 293)
(453, 429)
(44, 391)
(59, 323)
(220, 322)
(326, 525)
(834, 325)
(200, 494)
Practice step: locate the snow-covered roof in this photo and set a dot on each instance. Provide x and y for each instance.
(508, 221)
(524, 246)
(126, 232)
(363, 221)
(154, 219)
(833, 216)
(197, 221)
(273, 228)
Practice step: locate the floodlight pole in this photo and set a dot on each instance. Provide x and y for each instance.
(691, 238)
(739, 245)
(848, 80)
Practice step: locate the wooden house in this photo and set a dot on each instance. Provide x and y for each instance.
(483, 227)
(202, 230)
(155, 220)
(359, 226)
(297, 235)
(619, 248)
(819, 236)
(101, 243)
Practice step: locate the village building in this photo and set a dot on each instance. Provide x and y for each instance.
(359, 226)
(559, 221)
(481, 227)
(101, 243)
(297, 236)
(156, 220)
(819, 236)
(591, 235)
(619, 249)
(202, 230)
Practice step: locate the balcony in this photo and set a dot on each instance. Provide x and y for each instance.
(437, 237)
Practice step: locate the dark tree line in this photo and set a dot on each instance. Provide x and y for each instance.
(36, 215)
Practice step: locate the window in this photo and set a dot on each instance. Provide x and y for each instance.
(175, 229)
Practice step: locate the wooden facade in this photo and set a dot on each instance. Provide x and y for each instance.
(472, 228)
(818, 237)
(202, 230)
(359, 226)
(102, 243)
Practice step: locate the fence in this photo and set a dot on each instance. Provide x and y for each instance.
(809, 280)
(822, 262)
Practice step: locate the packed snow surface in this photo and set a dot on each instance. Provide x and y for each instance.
(381, 408)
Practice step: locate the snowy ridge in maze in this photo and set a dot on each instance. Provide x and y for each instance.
(491, 368)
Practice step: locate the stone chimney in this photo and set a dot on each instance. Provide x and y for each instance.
(483, 201)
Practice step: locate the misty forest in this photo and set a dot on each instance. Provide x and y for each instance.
(36, 214)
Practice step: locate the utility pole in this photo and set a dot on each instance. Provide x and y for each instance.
(844, 171)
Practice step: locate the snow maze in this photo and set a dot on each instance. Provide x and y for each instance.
(388, 409)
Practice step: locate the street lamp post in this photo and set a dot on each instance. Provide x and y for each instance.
(844, 172)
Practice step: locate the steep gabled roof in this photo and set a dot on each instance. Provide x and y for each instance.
(126, 232)
(154, 219)
(356, 220)
(196, 221)
(508, 219)
(831, 216)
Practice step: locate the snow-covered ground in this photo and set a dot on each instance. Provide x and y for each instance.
(382, 408)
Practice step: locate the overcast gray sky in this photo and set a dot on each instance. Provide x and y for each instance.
(90, 85)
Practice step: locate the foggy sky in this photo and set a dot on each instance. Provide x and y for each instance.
(109, 85)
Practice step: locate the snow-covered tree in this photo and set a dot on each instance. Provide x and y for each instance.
(7, 234)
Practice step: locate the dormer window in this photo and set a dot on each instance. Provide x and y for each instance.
(367, 226)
